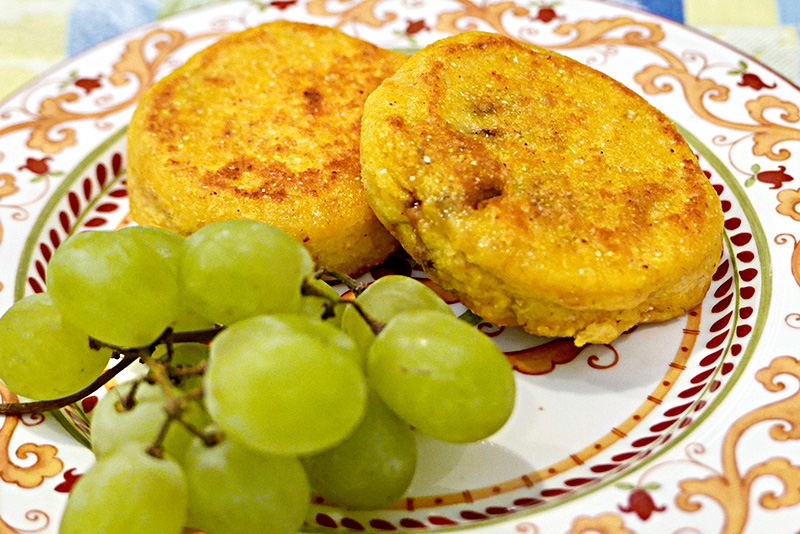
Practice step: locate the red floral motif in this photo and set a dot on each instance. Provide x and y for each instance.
(547, 12)
(76, 209)
(754, 82)
(88, 84)
(282, 4)
(37, 166)
(641, 503)
(416, 26)
(70, 478)
(748, 79)
(776, 178)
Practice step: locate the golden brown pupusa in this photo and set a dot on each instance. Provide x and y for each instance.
(541, 192)
(264, 124)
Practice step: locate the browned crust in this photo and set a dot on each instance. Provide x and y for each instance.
(265, 124)
(540, 191)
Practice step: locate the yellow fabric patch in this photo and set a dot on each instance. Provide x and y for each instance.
(31, 42)
(38, 36)
(14, 78)
(730, 13)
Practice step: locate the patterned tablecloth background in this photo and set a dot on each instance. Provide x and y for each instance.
(36, 34)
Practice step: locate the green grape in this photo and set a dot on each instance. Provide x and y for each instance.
(169, 246)
(314, 306)
(114, 286)
(165, 243)
(189, 320)
(184, 356)
(113, 424)
(235, 490)
(326, 334)
(43, 356)
(276, 385)
(385, 298)
(236, 269)
(442, 376)
(370, 469)
(128, 492)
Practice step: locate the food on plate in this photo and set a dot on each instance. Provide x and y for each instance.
(540, 192)
(239, 268)
(43, 356)
(373, 467)
(385, 298)
(421, 365)
(285, 385)
(128, 492)
(116, 286)
(282, 403)
(234, 490)
(264, 125)
(134, 411)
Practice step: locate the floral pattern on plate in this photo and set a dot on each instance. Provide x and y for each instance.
(686, 426)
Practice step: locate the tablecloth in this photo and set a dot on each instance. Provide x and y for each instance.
(36, 34)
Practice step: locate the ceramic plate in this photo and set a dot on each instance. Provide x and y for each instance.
(689, 426)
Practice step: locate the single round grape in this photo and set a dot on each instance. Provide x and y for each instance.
(235, 490)
(315, 306)
(442, 376)
(236, 269)
(128, 492)
(385, 298)
(43, 356)
(114, 286)
(370, 469)
(274, 385)
(113, 424)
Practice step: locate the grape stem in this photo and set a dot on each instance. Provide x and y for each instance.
(209, 436)
(175, 407)
(23, 408)
(158, 372)
(352, 284)
(375, 325)
(169, 337)
(129, 401)
(331, 302)
(178, 373)
(129, 355)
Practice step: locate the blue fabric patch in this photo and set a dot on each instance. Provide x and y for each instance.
(672, 9)
(789, 11)
(93, 21)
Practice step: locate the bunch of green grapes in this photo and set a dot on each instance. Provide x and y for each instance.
(298, 392)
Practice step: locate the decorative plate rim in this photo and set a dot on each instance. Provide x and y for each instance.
(768, 277)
